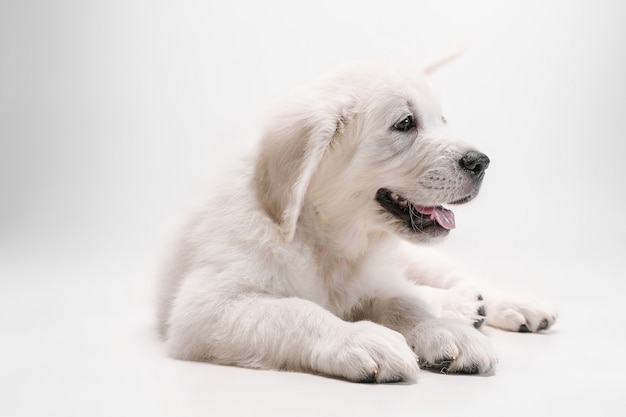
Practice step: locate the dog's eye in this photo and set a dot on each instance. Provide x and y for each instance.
(404, 124)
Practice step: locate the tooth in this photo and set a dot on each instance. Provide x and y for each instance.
(394, 196)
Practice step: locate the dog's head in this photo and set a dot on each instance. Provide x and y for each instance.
(366, 146)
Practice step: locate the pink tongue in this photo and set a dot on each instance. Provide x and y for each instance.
(441, 215)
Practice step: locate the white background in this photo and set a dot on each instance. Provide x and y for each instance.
(114, 113)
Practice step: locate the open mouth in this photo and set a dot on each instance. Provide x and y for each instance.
(434, 220)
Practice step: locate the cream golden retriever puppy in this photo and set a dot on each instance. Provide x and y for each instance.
(309, 259)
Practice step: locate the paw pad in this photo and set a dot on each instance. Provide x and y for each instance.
(470, 370)
(369, 379)
(441, 365)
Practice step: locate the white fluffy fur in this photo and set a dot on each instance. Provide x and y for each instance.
(292, 264)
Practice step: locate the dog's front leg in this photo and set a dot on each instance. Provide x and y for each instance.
(256, 330)
(450, 291)
(427, 266)
(453, 293)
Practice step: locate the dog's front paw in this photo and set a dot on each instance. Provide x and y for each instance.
(369, 352)
(448, 345)
(464, 304)
(518, 315)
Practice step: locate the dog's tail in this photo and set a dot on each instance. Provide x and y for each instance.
(433, 64)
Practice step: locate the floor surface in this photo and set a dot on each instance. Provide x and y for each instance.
(79, 339)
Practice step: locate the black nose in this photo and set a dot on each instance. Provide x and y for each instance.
(474, 162)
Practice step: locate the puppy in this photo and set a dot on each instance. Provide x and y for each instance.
(308, 258)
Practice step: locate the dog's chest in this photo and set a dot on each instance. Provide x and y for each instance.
(319, 277)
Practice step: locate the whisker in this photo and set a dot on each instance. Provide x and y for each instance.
(411, 218)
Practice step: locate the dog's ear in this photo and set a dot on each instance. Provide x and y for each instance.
(434, 64)
(295, 142)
